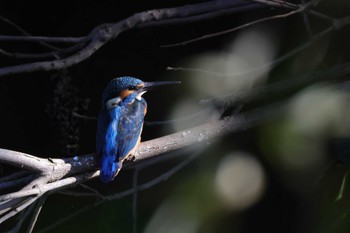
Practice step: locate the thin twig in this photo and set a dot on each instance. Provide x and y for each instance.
(78, 194)
(12, 24)
(29, 55)
(288, 5)
(36, 213)
(306, 21)
(275, 3)
(231, 30)
(92, 190)
(18, 209)
(25, 33)
(45, 39)
(75, 114)
(56, 54)
(274, 63)
(203, 17)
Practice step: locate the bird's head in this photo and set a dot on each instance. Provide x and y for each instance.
(121, 87)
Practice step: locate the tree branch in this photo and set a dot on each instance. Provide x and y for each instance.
(102, 34)
(23, 160)
(44, 39)
(56, 174)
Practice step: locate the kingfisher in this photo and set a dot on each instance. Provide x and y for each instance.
(120, 122)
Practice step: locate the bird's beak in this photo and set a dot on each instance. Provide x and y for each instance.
(151, 85)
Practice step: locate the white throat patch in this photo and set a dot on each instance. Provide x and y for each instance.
(138, 97)
(112, 103)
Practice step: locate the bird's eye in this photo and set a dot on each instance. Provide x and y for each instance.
(132, 88)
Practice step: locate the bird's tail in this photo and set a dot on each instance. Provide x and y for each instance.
(109, 170)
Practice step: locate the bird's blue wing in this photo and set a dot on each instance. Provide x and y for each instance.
(130, 127)
(107, 144)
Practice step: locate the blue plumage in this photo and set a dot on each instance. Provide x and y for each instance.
(131, 123)
(107, 143)
(120, 122)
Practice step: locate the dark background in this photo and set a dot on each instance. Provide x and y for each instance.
(36, 117)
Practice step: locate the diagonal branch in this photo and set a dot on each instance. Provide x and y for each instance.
(25, 161)
(63, 173)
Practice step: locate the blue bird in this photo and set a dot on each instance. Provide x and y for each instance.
(120, 122)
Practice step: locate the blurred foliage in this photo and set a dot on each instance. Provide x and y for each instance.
(63, 109)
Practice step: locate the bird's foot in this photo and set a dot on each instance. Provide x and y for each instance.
(131, 158)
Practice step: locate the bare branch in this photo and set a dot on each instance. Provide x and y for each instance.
(28, 55)
(277, 3)
(53, 65)
(22, 160)
(12, 24)
(93, 191)
(45, 39)
(106, 32)
(288, 5)
(206, 16)
(58, 53)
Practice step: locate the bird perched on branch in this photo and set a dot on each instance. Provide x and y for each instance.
(120, 122)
